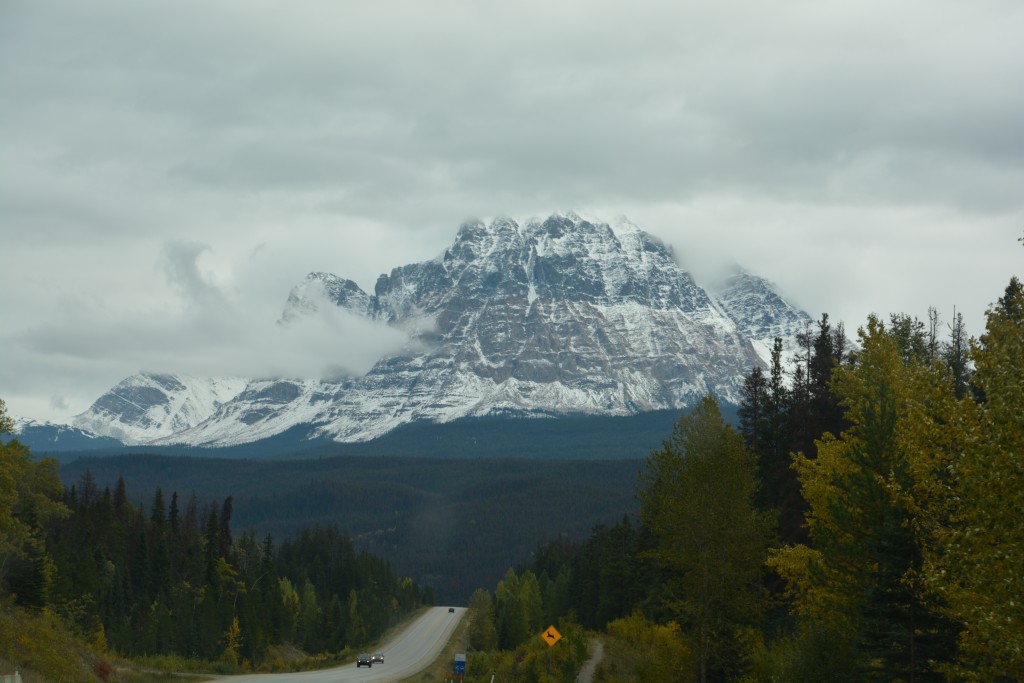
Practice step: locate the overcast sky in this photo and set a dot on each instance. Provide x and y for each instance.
(169, 170)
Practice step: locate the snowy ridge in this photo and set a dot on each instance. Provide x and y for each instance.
(145, 407)
(761, 313)
(541, 317)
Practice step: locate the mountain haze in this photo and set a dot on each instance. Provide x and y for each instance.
(544, 317)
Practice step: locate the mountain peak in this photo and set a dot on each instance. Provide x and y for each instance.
(555, 315)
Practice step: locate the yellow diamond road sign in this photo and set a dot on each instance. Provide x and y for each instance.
(551, 635)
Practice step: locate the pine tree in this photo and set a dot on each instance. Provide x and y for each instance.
(859, 578)
(529, 597)
(224, 541)
(978, 564)
(826, 415)
(955, 353)
(697, 496)
(159, 559)
(30, 573)
(120, 499)
(752, 414)
(482, 636)
(510, 616)
(911, 338)
(30, 498)
(6, 421)
(768, 415)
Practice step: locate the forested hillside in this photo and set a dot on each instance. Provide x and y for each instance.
(862, 525)
(452, 524)
(172, 579)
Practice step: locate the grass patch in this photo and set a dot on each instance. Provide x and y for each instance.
(38, 645)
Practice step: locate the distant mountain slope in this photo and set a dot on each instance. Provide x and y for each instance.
(48, 438)
(453, 524)
(759, 311)
(548, 317)
(149, 406)
(572, 437)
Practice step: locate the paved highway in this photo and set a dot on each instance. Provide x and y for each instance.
(406, 654)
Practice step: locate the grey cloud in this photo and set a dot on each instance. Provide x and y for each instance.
(180, 264)
(354, 137)
(557, 106)
(212, 334)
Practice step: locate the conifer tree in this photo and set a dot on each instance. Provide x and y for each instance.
(697, 496)
(510, 616)
(911, 338)
(6, 421)
(768, 415)
(859, 578)
(529, 597)
(30, 497)
(752, 411)
(779, 486)
(120, 499)
(482, 635)
(955, 353)
(224, 530)
(977, 566)
(829, 349)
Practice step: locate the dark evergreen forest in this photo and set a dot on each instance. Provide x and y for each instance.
(451, 524)
(171, 579)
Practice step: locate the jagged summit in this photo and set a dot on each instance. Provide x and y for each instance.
(543, 316)
(564, 257)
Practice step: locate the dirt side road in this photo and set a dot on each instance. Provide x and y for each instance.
(596, 651)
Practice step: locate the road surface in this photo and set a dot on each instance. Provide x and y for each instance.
(406, 654)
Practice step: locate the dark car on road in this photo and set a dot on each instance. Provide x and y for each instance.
(364, 660)
(378, 657)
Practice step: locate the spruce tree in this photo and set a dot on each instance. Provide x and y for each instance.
(826, 415)
(751, 413)
(977, 565)
(30, 498)
(482, 635)
(697, 495)
(859, 577)
(955, 353)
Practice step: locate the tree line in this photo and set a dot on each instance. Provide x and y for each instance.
(172, 579)
(862, 523)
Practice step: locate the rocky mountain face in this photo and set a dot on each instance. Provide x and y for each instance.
(145, 407)
(546, 317)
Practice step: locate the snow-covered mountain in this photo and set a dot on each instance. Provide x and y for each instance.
(145, 407)
(47, 437)
(544, 317)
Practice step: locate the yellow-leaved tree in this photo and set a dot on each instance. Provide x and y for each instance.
(977, 566)
(916, 555)
(30, 493)
(859, 581)
(697, 498)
